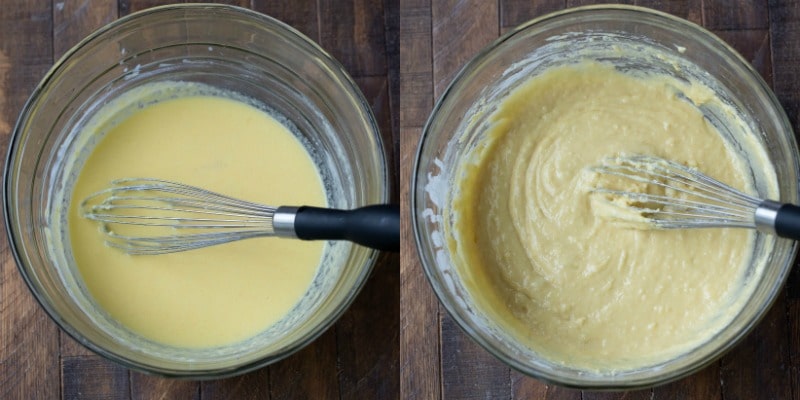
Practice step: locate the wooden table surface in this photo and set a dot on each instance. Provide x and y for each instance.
(396, 341)
(356, 358)
(438, 361)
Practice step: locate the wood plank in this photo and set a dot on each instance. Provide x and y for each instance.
(691, 10)
(392, 43)
(72, 21)
(793, 315)
(578, 3)
(419, 309)
(29, 364)
(300, 14)
(735, 15)
(376, 92)
(420, 372)
(419, 321)
(644, 394)
(416, 65)
(353, 32)
(758, 367)
(309, 374)
(251, 386)
(239, 3)
(704, 384)
(368, 337)
(461, 28)
(469, 371)
(524, 387)
(93, 378)
(25, 56)
(70, 348)
(126, 7)
(754, 46)
(516, 12)
(153, 387)
(785, 31)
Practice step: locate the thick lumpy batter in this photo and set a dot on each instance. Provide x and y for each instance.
(217, 295)
(580, 289)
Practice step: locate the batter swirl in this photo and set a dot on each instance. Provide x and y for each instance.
(580, 289)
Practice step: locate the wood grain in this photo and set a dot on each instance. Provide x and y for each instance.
(369, 353)
(785, 31)
(741, 15)
(766, 348)
(765, 33)
(416, 69)
(460, 29)
(420, 365)
(516, 12)
(392, 40)
(793, 372)
(644, 394)
(468, 371)
(403, 55)
(353, 31)
(109, 381)
(300, 14)
(687, 9)
(28, 339)
(524, 387)
(784, 27)
(292, 378)
(153, 387)
(705, 384)
(357, 356)
(254, 386)
(126, 7)
(73, 20)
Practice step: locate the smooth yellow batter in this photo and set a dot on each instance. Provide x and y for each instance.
(217, 295)
(580, 289)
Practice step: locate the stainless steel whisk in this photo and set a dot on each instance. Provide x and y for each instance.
(692, 199)
(153, 216)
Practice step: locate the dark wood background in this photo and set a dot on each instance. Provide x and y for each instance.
(395, 341)
(438, 361)
(356, 358)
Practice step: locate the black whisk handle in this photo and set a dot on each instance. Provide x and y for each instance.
(787, 221)
(375, 226)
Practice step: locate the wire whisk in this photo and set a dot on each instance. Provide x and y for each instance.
(675, 196)
(146, 216)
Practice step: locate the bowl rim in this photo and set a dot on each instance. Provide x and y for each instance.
(428, 262)
(386, 188)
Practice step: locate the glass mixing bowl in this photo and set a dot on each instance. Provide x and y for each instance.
(226, 48)
(461, 117)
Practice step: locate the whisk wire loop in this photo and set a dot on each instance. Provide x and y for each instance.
(136, 245)
(691, 199)
(145, 202)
